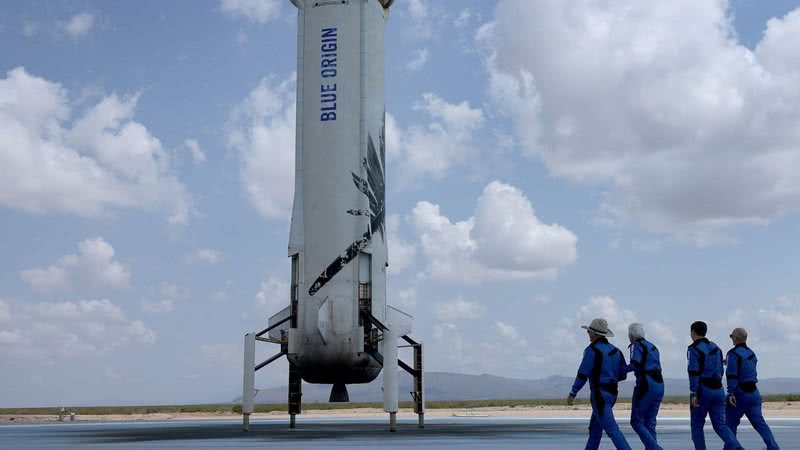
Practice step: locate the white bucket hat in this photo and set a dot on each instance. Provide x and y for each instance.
(599, 327)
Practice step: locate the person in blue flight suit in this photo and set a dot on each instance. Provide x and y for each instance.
(707, 395)
(649, 390)
(743, 395)
(603, 366)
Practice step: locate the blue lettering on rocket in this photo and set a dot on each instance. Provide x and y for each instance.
(329, 43)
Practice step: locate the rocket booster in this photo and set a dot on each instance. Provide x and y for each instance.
(337, 242)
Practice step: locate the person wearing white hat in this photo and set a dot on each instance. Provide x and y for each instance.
(743, 396)
(603, 366)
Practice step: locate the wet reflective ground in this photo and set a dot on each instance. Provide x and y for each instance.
(458, 433)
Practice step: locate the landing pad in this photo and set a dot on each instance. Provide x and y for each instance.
(312, 434)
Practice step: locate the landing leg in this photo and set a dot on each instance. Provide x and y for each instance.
(295, 394)
(418, 394)
(248, 382)
(390, 367)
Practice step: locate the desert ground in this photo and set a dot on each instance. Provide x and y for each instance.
(771, 410)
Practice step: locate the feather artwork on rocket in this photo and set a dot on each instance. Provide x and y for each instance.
(373, 186)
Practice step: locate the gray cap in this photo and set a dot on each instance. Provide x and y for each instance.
(599, 327)
(739, 333)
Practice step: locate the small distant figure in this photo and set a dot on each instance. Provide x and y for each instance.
(603, 366)
(743, 396)
(649, 390)
(61, 413)
(707, 395)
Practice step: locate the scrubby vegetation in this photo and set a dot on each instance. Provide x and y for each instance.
(231, 408)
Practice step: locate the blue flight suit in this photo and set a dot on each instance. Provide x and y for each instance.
(648, 393)
(705, 383)
(603, 365)
(742, 378)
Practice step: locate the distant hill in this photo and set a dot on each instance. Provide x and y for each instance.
(455, 386)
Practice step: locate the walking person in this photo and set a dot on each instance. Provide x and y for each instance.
(707, 395)
(649, 390)
(743, 396)
(603, 366)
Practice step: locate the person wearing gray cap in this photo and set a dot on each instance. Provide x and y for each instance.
(649, 390)
(743, 396)
(603, 366)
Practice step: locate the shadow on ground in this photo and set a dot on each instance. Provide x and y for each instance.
(346, 431)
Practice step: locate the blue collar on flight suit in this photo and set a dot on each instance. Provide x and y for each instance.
(638, 341)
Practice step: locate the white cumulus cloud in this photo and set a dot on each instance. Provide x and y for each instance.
(204, 255)
(260, 11)
(194, 149)
(88, 165)
(510, 332)
(687, 130)
(459, 309)
(782, 319)
(140, 331)
(93, 265)
(169, 292)
(79, 25)
(464, 17)
(421, 16)
(503, 240)
(272, 297)
(401, 253)
(82, 329)
(431, 150)
(262, 131)
(418, 59)
(164, 306)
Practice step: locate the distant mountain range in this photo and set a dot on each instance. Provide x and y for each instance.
(455, 386)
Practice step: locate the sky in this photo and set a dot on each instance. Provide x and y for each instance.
(548, 162)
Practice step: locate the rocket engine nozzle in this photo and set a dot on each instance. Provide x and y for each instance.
(339, 394)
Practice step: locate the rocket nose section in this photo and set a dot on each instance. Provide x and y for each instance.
(339, 394)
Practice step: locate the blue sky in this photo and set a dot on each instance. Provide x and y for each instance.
(548, 162)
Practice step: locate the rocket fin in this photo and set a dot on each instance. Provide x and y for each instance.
(297, 233)
(324, 320)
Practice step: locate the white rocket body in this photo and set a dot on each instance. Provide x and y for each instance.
(337, 241)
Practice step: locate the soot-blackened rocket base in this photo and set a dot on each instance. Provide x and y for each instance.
(337, 328)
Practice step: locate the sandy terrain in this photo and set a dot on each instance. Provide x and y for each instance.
(772, 409)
